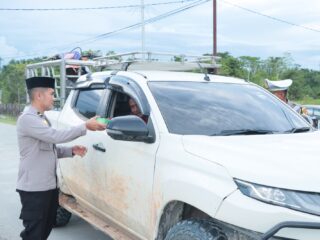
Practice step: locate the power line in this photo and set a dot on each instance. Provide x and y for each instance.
(136, 25)
(270, 17)
(94, 8)
(148, 21)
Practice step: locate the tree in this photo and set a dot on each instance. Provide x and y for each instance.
(306, 82)
(178, 58)
(90, 54)
(275, 67)
(111, 54)
(230, 66)
(252, 65)
(12, 83)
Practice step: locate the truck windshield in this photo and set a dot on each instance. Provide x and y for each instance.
(198, 108)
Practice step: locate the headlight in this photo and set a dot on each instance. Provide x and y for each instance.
(308, 202)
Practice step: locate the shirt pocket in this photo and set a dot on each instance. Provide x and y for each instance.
(46, 146)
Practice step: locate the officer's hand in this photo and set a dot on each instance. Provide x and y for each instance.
(79, 150)
(93, 125)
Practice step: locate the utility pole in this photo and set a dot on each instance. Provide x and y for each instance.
(214, 18)
(214, 32)
(142, 28)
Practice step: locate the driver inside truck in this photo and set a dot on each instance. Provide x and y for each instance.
(135, 110)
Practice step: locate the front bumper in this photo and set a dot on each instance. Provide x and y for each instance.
(259, 217)
(278, 227)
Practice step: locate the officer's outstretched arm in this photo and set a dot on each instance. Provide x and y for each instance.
(38, 128)
(93, 125)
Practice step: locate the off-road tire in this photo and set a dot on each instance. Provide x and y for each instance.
(63, 217)
(195, 230)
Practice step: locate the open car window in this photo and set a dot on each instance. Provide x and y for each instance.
(120, 105)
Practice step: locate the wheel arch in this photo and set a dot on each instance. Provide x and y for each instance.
(174, 212)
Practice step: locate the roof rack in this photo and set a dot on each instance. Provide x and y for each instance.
(67, 71)
(156, 61)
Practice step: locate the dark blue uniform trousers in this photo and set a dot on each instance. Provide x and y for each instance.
(38, 213)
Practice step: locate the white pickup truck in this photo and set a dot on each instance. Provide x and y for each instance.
(212, 158)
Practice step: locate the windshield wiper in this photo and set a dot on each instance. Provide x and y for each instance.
(243, 132)
(299, 130)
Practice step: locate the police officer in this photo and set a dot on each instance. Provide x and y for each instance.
(37, 181)
(280, 89)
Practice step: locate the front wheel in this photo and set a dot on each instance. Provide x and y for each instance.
(63, 217)
(195, 230)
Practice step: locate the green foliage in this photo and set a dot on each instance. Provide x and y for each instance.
(305, 87)
(306, 82)
(8, 119)
(91, 54)
(111, 55)
(308, 100)
(12, 83)
(230, 66)
(177, 58)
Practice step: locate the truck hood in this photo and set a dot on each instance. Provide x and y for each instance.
(290, 161)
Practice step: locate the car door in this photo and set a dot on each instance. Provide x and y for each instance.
(123, 170)
(77, 171)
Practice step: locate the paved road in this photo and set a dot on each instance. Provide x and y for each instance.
(10, 225)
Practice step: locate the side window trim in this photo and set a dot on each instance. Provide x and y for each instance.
(73, 104)
(112, 103)
(104, 105)
(131, 88)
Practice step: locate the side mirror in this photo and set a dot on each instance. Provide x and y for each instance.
(128, 128)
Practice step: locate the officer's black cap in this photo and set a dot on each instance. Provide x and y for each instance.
(45, 82)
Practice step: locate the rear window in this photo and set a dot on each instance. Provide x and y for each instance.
(207, 108)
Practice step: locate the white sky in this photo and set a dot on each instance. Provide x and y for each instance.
(36, 33)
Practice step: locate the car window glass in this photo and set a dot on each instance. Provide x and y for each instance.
(88, 102)
(316, 112)
(211, 108)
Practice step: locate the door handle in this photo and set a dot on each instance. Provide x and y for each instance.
(99, 147)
